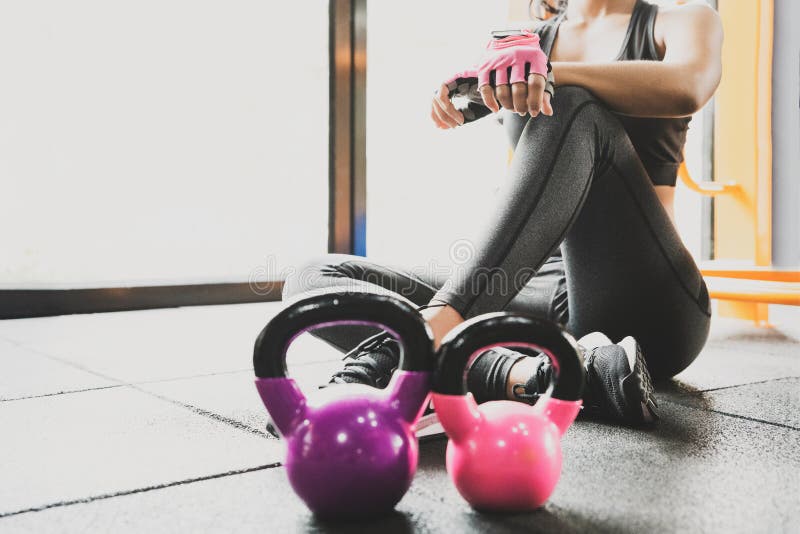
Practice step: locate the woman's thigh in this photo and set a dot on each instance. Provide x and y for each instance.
(628, 272)
(545, 295)
(356, 273)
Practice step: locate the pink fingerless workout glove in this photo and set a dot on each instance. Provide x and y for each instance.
(519, 54)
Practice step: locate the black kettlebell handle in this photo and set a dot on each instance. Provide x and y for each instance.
(336, 307)
(509, 329)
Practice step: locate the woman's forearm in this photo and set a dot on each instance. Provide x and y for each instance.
(638, 88)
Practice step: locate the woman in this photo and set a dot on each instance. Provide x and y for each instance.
(584, 225)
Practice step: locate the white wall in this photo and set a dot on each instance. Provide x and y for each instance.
(168, 140)
(425, 186)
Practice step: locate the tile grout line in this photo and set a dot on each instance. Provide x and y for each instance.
(67, 392)
(145, 489)
(120, 383)
(736, 416)
(68, 363)
(206, 413)
(721, 388)
(127, 384)
(194, 409)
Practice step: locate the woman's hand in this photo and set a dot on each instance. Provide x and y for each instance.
(513, 75)
(530, 98)
(443, 112)
(522, 98)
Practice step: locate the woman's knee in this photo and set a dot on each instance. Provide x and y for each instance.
(571, 97)
(586, 113)
(571, 100)
(320, 272)
(577, 111)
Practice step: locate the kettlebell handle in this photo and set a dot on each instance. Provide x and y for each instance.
(508, 329)
(336, 307)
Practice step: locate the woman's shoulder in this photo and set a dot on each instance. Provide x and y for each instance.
(692, 14)
(692, 10)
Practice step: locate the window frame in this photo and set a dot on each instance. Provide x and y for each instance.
(347, 198)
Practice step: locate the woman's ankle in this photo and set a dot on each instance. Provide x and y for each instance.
(441, 319)
(520, 373)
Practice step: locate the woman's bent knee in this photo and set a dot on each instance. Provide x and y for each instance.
(317, 273)
(577, 111)
(570, 97)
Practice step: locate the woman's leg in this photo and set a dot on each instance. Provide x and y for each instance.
(359, 274)
(576, 178)
(545, 295)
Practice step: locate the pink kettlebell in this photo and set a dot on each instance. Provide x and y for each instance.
(506, 455)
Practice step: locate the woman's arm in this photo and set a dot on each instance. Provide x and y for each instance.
(677, 86)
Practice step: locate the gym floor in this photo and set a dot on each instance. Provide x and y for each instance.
(148, 421)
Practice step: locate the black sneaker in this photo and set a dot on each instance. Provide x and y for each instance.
(372, 362)
(618, 383)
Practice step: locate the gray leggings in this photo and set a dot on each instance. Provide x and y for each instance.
(621, 268)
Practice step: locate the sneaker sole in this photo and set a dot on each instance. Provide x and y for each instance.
(429, 428)
(638, 383)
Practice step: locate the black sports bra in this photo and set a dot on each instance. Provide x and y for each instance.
(659, 142)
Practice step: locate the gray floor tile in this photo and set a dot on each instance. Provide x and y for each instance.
(83, 444)
(248, 317)
(697, 472)
(233, 395)
(25, 373)
(783, 339)
(724, 367)
(776, 401)
(152, 345)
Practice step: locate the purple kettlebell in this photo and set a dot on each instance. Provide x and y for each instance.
(351, 448)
